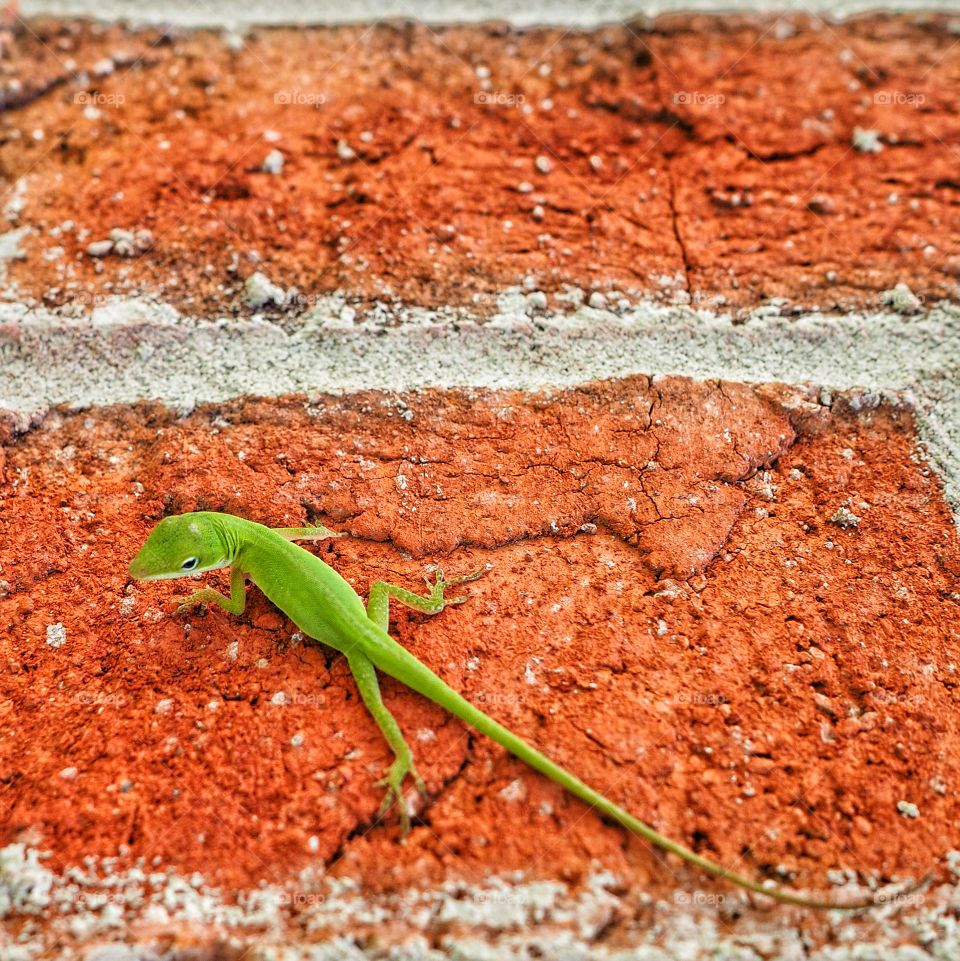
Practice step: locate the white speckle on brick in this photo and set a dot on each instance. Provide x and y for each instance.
(259, 290)
(597, 301)
(901, 299)
(845, 518)
(537, 300)
(528, 674)
(273, 163)
(938, 784)
(99, 248)
(514, 791)
(56, 635)
(866, 141)
(18, 200)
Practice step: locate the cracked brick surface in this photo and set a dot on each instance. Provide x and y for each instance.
(699, 630)
(676, 160)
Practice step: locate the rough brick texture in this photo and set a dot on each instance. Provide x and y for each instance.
(679, 160)
(769, 699)
(732, 609)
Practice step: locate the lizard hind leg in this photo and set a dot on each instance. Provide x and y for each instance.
(365, 675)
(393, 782)
(378, 601)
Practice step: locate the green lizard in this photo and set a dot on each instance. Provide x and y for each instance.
(325, 607)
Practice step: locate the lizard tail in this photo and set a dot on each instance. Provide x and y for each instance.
(395, 660)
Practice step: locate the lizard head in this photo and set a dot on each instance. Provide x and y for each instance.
(180, 546)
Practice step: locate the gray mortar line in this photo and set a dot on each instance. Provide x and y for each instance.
(92, 910)
(569, 13)
(135, 350)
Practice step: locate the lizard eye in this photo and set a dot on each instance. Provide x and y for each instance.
(190, 563)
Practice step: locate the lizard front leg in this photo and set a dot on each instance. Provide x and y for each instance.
(235, 603)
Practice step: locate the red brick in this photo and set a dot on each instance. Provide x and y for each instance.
(747, 188)
(781, 686)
